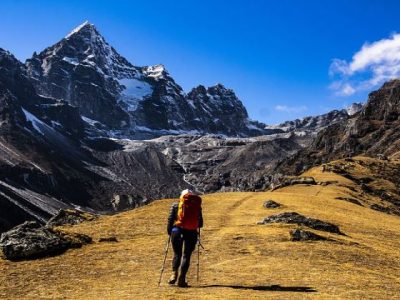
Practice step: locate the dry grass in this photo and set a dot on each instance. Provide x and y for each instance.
(242, 260)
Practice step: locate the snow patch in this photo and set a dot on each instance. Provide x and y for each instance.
(134, 90)
(90, 121)
(36, 123)
(71, 60)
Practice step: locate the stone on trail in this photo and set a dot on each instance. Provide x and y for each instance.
(271, 204)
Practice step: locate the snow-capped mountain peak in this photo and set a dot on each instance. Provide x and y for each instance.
(92, 49)
(85, 25)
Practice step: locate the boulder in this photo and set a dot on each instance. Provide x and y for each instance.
(295, 218)
(271, 204)
(305, 235)
(70, 217)
(30, 240)
(295, 180)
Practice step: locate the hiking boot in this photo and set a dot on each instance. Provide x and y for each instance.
(182, 282)
(173, 277)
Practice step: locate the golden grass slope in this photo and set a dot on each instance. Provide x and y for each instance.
(242, 260)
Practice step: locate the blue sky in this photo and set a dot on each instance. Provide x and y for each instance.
(284, 59)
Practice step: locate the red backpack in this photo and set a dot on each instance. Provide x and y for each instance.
(188, 212)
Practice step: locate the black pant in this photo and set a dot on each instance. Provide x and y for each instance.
(180, 237)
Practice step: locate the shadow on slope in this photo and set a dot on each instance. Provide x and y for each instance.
(272, 288)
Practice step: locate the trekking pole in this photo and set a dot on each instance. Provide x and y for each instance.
(165, 258)
(198, 255)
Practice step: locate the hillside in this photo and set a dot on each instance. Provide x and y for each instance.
(242, 260)
(373, 131)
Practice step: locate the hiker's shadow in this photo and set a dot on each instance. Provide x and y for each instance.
(271, 288)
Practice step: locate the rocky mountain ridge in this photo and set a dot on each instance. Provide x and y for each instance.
(130, 101)
(313, 124)
(374, 131)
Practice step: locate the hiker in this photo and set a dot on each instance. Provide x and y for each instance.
(185, 218)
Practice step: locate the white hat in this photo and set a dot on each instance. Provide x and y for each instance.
(187, 191)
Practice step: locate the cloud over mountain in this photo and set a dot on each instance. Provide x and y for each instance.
(372, 65)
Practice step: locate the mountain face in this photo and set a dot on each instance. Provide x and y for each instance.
(374, 130)
(123, 100)
(217, 109)
(14, 82)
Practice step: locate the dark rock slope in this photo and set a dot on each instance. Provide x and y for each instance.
(215, 163)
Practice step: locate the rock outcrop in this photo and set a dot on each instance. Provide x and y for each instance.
(30, 240)
(305, 235)
(295, 218)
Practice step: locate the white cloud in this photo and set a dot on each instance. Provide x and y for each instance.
(291, 109)
(372, 65)
(342, 88)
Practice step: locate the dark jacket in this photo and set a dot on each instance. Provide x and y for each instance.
(173, 216)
